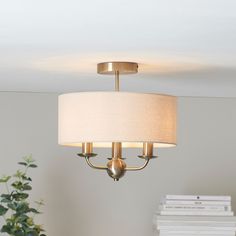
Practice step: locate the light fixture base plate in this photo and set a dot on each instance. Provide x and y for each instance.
(110, 68)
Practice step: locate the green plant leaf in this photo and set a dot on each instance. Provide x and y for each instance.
(22, 163)
(38, 228)
(6, 229)
(19, 233)
(5, 198)
(30, 221)
(17, 185)
(4, 179)
(33, 166)
(31, 233)
(40, 202)
(34, 210)
(22, 208)
(20, 196)
(26, 178)
(22, 219)
(19, 174)
(12, 205)
(3, 210)
(28, 159)
(26, 187)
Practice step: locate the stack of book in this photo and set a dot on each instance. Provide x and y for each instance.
(188, 215)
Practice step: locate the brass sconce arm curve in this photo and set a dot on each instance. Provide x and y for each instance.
(93, 166)
(138, 168)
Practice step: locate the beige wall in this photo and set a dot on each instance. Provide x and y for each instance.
(84, 202)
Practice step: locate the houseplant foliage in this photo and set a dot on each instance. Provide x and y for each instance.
(15, 208)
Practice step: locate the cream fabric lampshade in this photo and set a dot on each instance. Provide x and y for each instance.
(106, 117)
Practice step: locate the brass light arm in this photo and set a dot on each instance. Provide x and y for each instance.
(138, 168)
(116, 167)
(93, 166)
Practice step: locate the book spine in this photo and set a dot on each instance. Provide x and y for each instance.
(195, 224)
(197, 213)
(189, 202)
(194, 207)
(202, 234)
(199, 197)
(210, 219)
(196, 228)
(191, 233)
(212, 234)
(196, 232)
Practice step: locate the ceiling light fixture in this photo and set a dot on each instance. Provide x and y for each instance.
(117, 120)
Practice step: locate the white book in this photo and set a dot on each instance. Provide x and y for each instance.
(196, 228)
(196, 213)
(195, 207)
(196, 233)
(192, 233)
(210, 219)
(189, 202)
(195, 224)
(198, 197)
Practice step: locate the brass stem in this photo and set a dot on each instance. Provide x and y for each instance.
(116, 150)
(117, 81)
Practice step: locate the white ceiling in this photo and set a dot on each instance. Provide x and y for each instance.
(184, 47)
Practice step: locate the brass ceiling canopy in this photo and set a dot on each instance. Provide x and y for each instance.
(109, 68)
(117, 120)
